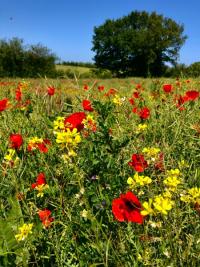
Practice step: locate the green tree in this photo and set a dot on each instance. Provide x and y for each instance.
(17, 60)
(138, 44)
(194, 70)
(11, 57)
(39, 61)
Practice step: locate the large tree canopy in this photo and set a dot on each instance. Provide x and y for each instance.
(138, 44)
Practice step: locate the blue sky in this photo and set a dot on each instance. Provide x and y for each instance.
(66, 26)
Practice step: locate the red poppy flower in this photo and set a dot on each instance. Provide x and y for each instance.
(101, 88)
(131, 101)
(136, 95)
(45, 217)
(138, 163)
(87, 105)
(111, 91)
(40, 180)
(16, 141)
(167, 88)
(42, 146)
(51, 91)
(85, 87)
(144, 113)
(191, 95)
(3, 104)
(18, 94)
(127, 208)
(135, 110)
(75, 121)
(138, 86)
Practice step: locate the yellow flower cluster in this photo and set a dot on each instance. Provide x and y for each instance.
(183, 164)
(141, 128)
(33, 141)
(151, 153)
(11, 157)
(68, 138)
(59, 124)
(41, 188)
(24, 230)
(172, 181)
(117, 100)
(191, 196)
(161, 204)
(138, 180)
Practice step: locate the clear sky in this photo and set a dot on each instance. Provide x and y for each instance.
(66, 26)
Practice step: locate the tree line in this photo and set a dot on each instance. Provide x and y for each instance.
(140, 44)
(18, 60)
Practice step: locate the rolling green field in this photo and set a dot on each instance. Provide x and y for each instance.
(100, 172)
(76, 69)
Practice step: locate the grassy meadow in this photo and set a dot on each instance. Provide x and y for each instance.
(100, 172)
(74, 71)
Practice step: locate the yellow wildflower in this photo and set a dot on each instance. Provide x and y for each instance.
(167, 193)
(24, 230)
(84, 213)
(186, 198)
(69, 138)
(174, 172)
(131, 182)
(117, 100)
(147, 208)
(59, 123)
(183, 164)
(67, 157)
(41, 188)
(138, 180)
(11, 158)
(192, 195)
(10, 154)
(151, 152)
(141, 128)
(162, 204)
(172, 182)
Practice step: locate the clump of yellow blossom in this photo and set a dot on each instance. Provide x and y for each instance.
(41, 188)
(24, 230)
(141, 128)
(151, 153)
(138, 180)
(11, 158)
(117, 100)
(183, 164)
(160, 204)
(172, 180)
(191, 196)
(59, 124)
(68, 138)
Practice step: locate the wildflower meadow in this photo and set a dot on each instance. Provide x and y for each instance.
(100, 172)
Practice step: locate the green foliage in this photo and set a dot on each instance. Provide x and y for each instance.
(17, 60)
(193, 70)
(138, 44)
(10, 250)
(78, 64)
